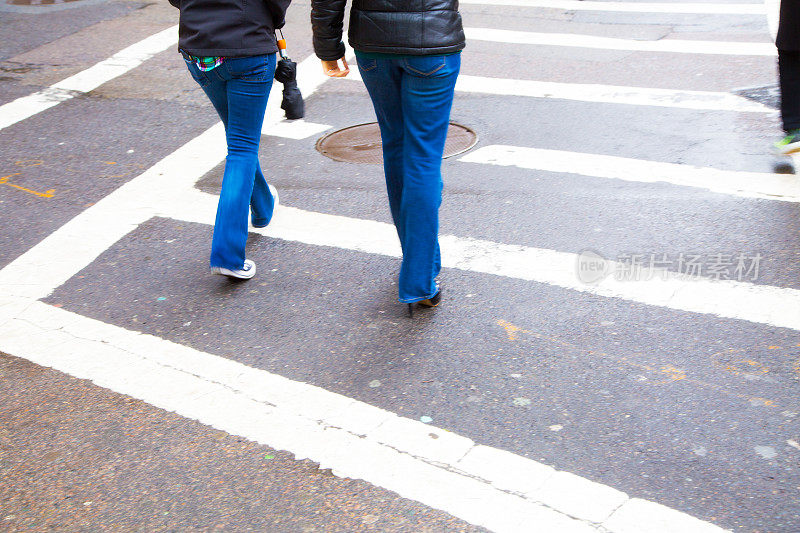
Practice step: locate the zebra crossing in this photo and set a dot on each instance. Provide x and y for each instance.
(466, 479)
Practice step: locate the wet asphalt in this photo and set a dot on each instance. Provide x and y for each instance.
(583, 383)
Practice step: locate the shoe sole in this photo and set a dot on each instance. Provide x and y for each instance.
(788, 149)
(238, 274)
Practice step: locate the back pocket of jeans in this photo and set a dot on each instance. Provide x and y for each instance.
(253, 68)
(197, 75)
(424, 65)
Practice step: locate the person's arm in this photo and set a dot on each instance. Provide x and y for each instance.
(277, 8)
(327, 23)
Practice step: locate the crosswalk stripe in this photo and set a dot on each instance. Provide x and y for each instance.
(485, 486)
(610, 43)
(773, 16)
(779, 187)
(314, 423)
(612, 94)
(607, 94)
(762, 304)
(89, 79)
(699, 8)
(395, 453)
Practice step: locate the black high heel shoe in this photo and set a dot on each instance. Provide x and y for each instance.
(433, 301)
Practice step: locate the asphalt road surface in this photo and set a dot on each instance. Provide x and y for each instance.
(617, 349)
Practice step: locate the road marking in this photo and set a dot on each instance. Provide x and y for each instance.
(4, 181)
(296, 129)
(89, 79)
(761, 304)
(484, 486)
(699, 8)
(674, 374)
(773, 8)
(613, 94)
(77, 243)
(762, 185)
(610, 43)
(609, 94)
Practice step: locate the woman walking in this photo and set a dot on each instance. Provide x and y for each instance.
(408, 54)
(788, 43)
(229, 47)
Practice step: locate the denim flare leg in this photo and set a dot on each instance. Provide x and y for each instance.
(238, 89)
(412, 97)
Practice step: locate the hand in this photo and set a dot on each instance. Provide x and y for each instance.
(331, 68)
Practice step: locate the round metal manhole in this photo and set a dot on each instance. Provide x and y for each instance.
(362, 143)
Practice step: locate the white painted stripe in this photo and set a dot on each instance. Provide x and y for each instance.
(294, 129)
(773, 8)
(613, 94)
(736, 48)
(344, 434)
(780, 187)
(762, 304)
(89, 79)
(700, 8)
(59, 256)
(609, 94)
(78, 242)
(482, 485)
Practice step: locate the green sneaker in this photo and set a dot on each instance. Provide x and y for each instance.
(790, 144)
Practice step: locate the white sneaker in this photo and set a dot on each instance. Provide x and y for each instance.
(247, 271)
(274, 192)
(276, 200)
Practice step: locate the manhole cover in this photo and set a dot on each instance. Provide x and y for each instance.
(768, 95)
(362, 143)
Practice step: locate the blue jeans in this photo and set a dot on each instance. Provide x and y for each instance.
(412, 97)
(238, 89)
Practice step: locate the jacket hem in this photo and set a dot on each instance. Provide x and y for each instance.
(406, 50)
(229, 52)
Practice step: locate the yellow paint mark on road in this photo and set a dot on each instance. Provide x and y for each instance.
(762, 401)
(511, 329)
(774, 348)
(47, 194)
(674, 374)
(25, 163)
(738, 367)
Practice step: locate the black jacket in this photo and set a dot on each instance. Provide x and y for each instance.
(789, 27)
(413, 27)
(229, 28)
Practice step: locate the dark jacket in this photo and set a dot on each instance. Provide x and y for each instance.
(229, 28)
(789, 27)
(413, 27)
